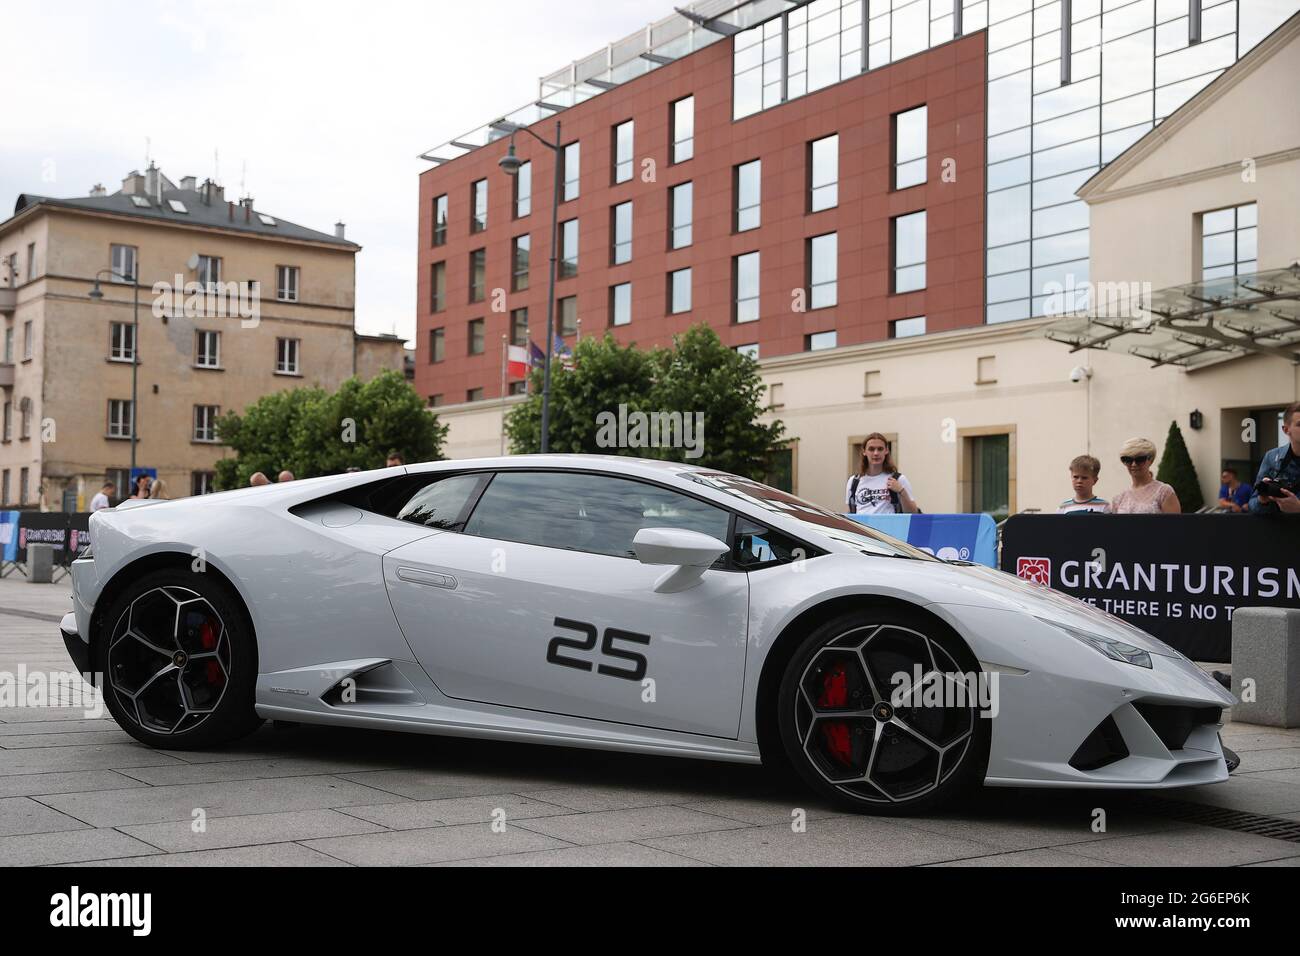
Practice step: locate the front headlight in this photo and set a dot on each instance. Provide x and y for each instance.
(1115, 650)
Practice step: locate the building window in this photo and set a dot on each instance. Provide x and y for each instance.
(823, 270)
(1229, 245)
(25, 418)
(523, 190)
(906, 328)
(209, 271)
(8, 432)
(910, 134)
(478, 205)
(568, 317)
(4, 487)
(119, 418)
(909, 252)
(24, 483)
(477, 336)
(121, 342)
(9, 345)
(988, 458)
(438, 287)
(517, 388)
(203, 482)
(679, 291)
(205, 422)
(681, 200)
(286, 283)
(478, 275)
(122, 259)
(28, 340)
(437, 345)
(474, 395)
(571, 158)
(435, 400)
(749, 351)
(568, 249)
(620, 304)
(286, 356)
(31, 261)
(207, 349)
(520, 256)
(744, 280)
(683, 129)
(819, 340)
(620, 228)
(748, 189)
(440, 220)
(824, 173)
(519, 327)
(624, 135)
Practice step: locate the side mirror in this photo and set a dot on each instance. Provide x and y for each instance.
(689, 552)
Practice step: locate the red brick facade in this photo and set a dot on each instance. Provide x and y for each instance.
(949, 80)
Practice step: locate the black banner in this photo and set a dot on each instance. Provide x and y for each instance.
(1178, 577)
(69, 532)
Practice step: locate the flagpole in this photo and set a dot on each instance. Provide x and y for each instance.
(503, 393)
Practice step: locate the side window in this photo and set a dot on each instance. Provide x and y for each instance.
(756, 546)
(441, 503)
(596, 513)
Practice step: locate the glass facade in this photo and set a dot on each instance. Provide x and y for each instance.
(749, 178)
(824, 174)
(620, 304)
(746, 271)
(1071, 85)
(621, 229)
(624, 135)
(823, 270)
(680, 207)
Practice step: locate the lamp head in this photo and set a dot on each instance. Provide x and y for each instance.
(97, 292)
(510, 163)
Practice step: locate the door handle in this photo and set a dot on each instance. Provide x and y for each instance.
(429, 578)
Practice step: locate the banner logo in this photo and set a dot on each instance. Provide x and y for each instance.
(1038, 570)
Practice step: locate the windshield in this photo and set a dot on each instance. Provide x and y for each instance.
(842, 529)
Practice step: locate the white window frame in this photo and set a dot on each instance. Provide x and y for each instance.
(121, 342)
(288, 357)
(207, 357)
(120, 257)
(286, 283)
(119, 424)
(209, 271)
(205, 423)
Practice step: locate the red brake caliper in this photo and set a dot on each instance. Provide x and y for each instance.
(835, 693)
(208, 638)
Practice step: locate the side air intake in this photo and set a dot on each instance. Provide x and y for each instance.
(381, 683)
(1103, 746)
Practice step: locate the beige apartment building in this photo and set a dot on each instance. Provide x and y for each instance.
(67, 317)
(988, 419)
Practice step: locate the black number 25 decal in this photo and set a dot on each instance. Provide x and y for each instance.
(588, 643)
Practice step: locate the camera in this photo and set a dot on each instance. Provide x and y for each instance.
(1272, 488)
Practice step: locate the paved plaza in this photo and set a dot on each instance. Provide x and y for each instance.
(79, 791)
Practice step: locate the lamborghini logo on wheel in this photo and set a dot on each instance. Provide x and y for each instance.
(1038, 570)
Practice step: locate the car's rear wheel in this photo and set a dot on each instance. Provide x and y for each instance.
(179, 662)
(865, 737)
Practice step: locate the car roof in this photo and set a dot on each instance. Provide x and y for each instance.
(614, 464)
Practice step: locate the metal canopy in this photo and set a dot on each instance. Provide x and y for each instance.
(692, 27)
(1201, 322)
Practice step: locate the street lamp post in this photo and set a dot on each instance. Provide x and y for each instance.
(97, 293)
(510, 164)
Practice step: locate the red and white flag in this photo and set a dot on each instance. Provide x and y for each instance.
(517, 361)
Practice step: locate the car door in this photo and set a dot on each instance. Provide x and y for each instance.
(538, 602)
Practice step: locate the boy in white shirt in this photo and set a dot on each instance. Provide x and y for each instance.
(1083, 476)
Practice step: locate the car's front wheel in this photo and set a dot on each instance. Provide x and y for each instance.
(179, 662)
(879, 709)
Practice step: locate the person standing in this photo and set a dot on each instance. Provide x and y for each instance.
(257, 479)
(878, 487)
(1281, 469)
(1083, 478)
(142, 484)
(394, 459)
(1234, 495)
(285, 475)
(101, 500)
(158, 489)
(1147, 495)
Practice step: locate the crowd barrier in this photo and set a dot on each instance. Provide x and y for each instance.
(1178, 577)
(958, 537)
(68, 532)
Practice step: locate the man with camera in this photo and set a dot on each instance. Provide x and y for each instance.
(1279, 473)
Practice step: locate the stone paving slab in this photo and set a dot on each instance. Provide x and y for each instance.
(434, 845)
(69, 846)
(250, 830)
(602, 854)
(266, 854)
(35, 784)
(1188, 846)
(19, 815)
(420, 814)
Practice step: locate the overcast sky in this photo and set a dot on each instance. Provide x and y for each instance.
(321, 107)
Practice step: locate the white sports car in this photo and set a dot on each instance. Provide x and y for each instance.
(632, 605)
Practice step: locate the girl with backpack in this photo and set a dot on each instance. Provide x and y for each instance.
(878, 488)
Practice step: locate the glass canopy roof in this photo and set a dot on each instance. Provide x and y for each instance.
(692, 27)
(1201, 322)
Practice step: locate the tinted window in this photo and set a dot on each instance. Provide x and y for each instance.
(440, 503)
(756, 546)
(577, 512)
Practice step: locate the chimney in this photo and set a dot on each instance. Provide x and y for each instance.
(189, 183)
(133, 184)
(212, 193)
(98, 190)
(247, 203)
(152, 181)
(339, 229)
(231, 206)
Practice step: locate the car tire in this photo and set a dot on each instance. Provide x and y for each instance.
(911, 755)
(178, 661)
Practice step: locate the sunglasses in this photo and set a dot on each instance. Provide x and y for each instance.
(1133, 459)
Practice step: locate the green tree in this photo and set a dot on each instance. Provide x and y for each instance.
(312, 432)
(1176, 469)
(697, 374)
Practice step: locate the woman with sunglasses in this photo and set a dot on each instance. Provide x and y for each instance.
(1147, 495)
